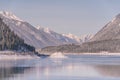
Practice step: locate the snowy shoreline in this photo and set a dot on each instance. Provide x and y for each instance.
(16, 57)
(65, 55)
(11, 55)
(94, 54)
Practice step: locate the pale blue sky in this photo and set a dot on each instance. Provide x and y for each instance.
(65, 16)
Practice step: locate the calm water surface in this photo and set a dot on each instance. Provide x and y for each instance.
(71, 68)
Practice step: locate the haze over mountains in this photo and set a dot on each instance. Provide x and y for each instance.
(38, 37)
(105, 40)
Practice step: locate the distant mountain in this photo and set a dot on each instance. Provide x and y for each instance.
(65, 38)
(37, 37)
(110, 31)
(10, 41)
(56, 38)
(106, 40)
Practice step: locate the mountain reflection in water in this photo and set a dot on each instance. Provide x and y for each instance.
(108, 70)
(76, 68)
(10, 72)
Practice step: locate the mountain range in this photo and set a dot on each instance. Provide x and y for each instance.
(39, 37)
(47, 40)
(105, 40)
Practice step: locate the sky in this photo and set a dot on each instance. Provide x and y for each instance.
(78, 17)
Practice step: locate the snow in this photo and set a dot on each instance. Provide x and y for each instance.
(101, 54)
(73, 37)
(58, 55)
(110, 31)
(80, 39)
(56, 36)
(9, 15)
(47, 30)
(86, 38)
(38, 37)
(11, 55)
(113, 19)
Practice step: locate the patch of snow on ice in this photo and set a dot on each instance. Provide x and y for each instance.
(58, 55)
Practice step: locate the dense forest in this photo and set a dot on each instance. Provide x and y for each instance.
(10, 41)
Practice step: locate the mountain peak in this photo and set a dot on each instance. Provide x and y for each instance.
(110, 31)
(9, 15)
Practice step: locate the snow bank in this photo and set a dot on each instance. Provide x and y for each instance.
(58, 55)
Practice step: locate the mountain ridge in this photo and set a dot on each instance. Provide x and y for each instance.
(38, 38)
(105, 40)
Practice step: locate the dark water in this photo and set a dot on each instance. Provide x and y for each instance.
(71, 68)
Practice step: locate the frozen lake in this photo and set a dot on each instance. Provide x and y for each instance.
(70, 68)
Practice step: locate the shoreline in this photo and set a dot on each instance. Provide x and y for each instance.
(91, 54)
(11, 55)
(17, 57)
(94, 54)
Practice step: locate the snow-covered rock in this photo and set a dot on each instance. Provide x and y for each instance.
(58, 55)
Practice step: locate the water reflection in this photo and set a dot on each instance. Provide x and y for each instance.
(60, 69)
(109, 70)
(11, 71)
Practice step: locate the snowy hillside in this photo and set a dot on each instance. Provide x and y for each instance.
(56, 36)
(37, 37)
(81, 39)
(105, 40)
(110, 31)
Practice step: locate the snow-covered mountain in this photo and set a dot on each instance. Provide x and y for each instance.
(66, 38)
(105, 40)
(56, 36)
(38, 37)
(81, 39)
(110, 31)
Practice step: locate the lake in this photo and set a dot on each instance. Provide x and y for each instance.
(80, 67)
